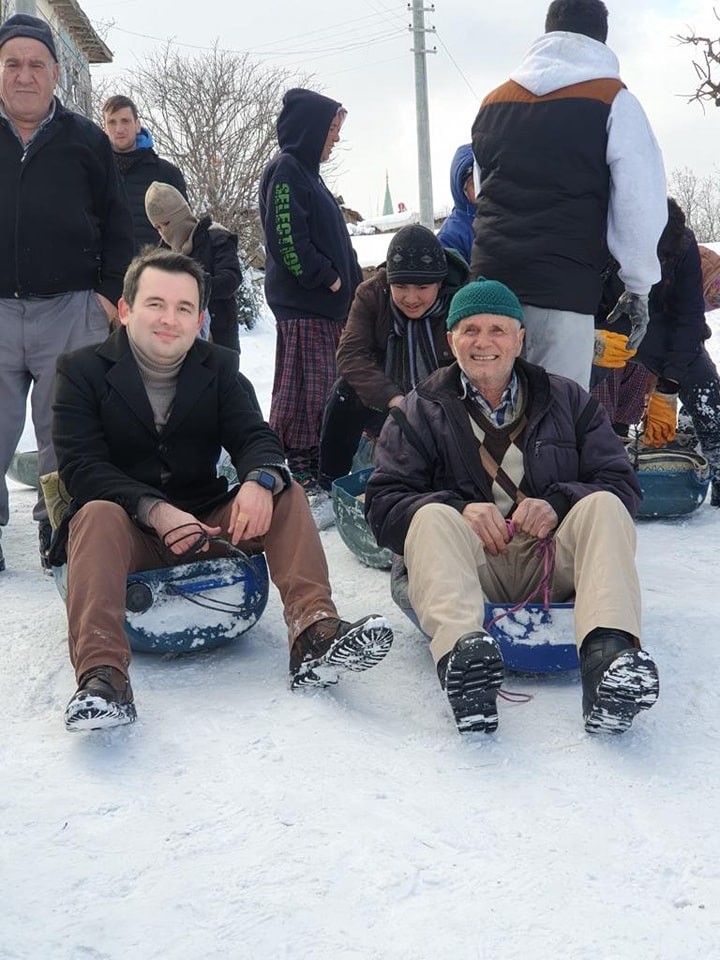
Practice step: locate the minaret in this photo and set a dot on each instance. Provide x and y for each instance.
(388, 204)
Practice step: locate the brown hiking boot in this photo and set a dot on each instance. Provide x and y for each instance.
(328, 647)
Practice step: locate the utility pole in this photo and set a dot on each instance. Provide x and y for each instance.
(420, 51)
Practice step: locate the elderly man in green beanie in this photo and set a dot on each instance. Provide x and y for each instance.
(487, 468)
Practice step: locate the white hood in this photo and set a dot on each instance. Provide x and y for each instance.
(560, 59)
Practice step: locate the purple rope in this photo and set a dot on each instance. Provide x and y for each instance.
(546, 550)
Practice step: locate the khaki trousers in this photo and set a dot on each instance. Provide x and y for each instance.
(104, 546)
(451, 576)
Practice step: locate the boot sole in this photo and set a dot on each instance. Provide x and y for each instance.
(96, 713)
(630, 684)
(363, 646)
(474, 676)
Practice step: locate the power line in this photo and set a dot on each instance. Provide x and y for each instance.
(456, 65)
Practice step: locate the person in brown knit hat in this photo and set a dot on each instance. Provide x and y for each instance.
(211, 245)
(710, 265)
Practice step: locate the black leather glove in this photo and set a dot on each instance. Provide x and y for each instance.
(635, 307)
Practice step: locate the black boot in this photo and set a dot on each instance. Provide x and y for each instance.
(104, 698)
(471, 675)
(618, 680)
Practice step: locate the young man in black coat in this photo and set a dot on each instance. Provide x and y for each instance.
(139, 423)
(138, 164)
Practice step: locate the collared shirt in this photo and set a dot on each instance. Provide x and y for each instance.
(506, 411)
(43, 123)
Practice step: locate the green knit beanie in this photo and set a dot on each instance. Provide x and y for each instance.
(484, 296)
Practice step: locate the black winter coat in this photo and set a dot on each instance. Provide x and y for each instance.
(441, 463)
(64, 221)
(108, 447)
(677, 328)
(215, 248)
(137, 171)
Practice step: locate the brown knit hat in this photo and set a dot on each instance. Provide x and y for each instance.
(168, 211)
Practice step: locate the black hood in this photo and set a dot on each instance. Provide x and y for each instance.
(303, 124)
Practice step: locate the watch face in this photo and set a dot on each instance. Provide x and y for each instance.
(266, 480)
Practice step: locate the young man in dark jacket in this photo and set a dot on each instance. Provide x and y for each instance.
(65, 239)
(477, 466)
(137, 163)
(311, 273)
(139, 423)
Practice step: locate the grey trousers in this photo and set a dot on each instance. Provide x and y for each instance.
(32, 335)
(560, 341)
(451, 576)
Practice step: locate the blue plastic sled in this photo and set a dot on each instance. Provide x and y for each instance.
(348, 496)
(192, 606)
(674, 482)
(532, 640)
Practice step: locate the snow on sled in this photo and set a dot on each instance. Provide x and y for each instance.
(24, 468)
(674, 479)
(533, 639)
(348, 499)
(192, 606)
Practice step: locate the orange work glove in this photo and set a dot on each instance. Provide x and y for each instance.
(660, 419)
(611, 350)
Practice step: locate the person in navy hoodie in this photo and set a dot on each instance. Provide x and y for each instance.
(311, 273)
(456, 233)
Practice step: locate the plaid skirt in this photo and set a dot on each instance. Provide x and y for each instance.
(305, 370)
(624, 393)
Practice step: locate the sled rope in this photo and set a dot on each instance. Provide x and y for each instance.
(546, 550)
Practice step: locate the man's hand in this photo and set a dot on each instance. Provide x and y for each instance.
(164, 518)
(394, 401)
(489, 524)
(109, 308)
(635, 307)
(251, 512)
(334, 287)
(536, 518)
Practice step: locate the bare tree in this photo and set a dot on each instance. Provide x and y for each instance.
(706, 67)
(700, 199)
(214, 116)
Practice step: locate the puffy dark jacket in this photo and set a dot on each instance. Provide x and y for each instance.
(307, 243)
(137, 171)
(108, 447)
(362, 349)
(440, 463)
(677, 328)
(64, 221)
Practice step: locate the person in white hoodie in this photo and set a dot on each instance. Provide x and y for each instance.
(567, 168)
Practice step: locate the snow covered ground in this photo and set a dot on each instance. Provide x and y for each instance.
(238, 821)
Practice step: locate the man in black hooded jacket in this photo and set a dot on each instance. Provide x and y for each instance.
(311, 273)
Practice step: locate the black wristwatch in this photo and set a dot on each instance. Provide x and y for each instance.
(264, 478)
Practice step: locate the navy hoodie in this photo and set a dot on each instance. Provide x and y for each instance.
(456, 233)
(306, 239)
